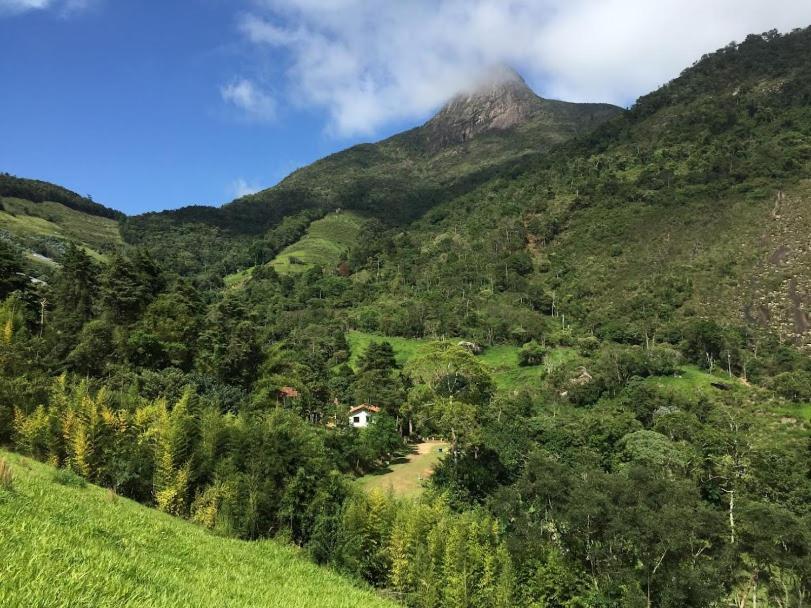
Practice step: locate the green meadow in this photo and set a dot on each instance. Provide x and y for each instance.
(326, 240)
(501, 359)
(66, 544)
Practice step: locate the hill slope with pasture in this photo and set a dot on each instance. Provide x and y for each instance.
(42, 218)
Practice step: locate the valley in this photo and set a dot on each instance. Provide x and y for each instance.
(599, 315)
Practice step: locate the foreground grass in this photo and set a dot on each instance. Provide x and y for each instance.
(326, 240)
(68, 546)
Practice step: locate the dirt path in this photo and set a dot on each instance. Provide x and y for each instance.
(406, 475)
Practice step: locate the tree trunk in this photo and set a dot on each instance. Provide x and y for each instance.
(732, 516)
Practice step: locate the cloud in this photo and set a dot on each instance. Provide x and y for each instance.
(12, 7)
(240, 187)
(255, 104)
(369, 63)
(63, 7)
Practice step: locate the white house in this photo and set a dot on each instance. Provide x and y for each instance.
(362, 415)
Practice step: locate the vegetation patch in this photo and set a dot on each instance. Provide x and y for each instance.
(326, 241)
(502, 359)
(44, 228)
(68, 547)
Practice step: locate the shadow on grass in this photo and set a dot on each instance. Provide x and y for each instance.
(400, 457)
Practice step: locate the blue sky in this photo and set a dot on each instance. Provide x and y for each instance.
(151, 104)
(125, 104)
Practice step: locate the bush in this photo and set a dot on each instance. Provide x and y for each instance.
(66, 477)
(587, 345)
(794, 386)
(6, 476)
(531, 353)
(662, 360)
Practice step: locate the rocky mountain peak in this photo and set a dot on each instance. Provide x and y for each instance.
(500, 100)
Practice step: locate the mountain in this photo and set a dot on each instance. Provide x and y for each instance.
(395, 180)
(691, 205)
(608, 325)
(39, 192)
(502, 101)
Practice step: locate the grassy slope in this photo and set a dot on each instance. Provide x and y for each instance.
(30, 221)
(323, 244)
(405, 476)
(67, 546)
(502, 359)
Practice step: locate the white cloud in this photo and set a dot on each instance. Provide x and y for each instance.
(63, 7)
(13, 7)
(369, 62)
(255, 104)
(241, 187)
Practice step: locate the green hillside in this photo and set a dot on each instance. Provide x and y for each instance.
(501, 360)
(691, 205)
(66, 544)
(326, 241)
(395, 180)
(45, 227)
(39, 191)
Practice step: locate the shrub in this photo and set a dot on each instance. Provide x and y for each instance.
(531, 353)
(66, 477)
(794, 386)
(6, 476)
(587, 345)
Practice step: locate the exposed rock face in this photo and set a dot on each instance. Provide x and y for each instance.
(501, 101)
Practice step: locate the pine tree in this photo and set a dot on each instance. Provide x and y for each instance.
(11, 270)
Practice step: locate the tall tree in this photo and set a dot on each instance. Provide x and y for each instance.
(11, 268)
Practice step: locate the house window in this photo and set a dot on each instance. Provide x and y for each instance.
(356, 419)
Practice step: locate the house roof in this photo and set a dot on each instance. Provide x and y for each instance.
(288, 391)
(364, 406)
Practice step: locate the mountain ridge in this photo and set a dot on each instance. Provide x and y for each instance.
(395, 180)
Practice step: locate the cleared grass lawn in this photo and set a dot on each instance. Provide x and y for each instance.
(502, 359)
(325, 241)
(65, 546)
(27, 219)
(406, 476)
(692, 381)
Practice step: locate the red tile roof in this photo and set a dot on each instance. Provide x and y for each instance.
(364, 406)
(288, 391)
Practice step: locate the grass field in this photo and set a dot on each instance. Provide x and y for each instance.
(238, 279)
(67, 546)
(502, 359)
(28, 220)
(405, 476)
(692, 381)
(325, 241)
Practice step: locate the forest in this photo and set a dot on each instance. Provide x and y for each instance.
(660, 456)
